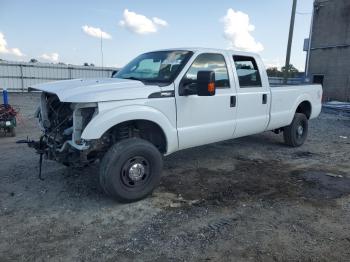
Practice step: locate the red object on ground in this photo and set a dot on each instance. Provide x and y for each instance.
(7, 112)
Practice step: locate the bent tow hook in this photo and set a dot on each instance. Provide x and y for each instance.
(40, 147)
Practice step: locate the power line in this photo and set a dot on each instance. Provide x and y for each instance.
(304, 13)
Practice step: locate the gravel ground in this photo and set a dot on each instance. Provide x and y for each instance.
(249, 199)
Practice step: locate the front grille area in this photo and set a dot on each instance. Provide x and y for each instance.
(56, 118)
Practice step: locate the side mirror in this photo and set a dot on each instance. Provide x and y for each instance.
(114, 73)
(206, 83)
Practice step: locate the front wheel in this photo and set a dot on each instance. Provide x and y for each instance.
(131, 170)
(295, 134)
(13, 132)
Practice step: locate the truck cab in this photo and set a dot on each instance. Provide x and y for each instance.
(162, 102)
(239, 107)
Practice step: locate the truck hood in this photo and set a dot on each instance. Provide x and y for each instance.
(97, 90)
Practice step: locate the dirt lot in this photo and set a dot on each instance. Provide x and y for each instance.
(250, 199)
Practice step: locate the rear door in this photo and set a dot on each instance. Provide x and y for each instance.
(206, 119)
(253, 96)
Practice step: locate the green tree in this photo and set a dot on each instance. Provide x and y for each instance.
(273, 72)
(292, 71)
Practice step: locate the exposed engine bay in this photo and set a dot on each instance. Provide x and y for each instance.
(62, 125)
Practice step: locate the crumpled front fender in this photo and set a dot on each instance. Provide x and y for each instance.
(105, 120)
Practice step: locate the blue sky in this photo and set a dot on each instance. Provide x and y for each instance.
(52, 30)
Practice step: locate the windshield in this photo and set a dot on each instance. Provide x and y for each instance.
(160, 66)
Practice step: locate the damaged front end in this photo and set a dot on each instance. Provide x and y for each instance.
(62, 125)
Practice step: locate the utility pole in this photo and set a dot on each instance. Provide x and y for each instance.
(290, 40)
(101, 50)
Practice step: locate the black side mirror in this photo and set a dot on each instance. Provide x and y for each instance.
(206, 83)
(114, 73)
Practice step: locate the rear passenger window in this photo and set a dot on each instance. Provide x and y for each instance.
(247, 71)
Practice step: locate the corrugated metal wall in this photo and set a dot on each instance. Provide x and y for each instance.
(290, 81)
(19, 76)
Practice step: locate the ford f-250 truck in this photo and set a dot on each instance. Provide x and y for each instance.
(162, 102)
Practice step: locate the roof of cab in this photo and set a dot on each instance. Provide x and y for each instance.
(203, 49)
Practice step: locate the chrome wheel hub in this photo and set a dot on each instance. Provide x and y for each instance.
(136, 172)
(300, 130)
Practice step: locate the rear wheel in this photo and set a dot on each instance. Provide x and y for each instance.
(296, 133)
(131, 170)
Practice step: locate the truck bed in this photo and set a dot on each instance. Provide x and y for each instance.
(286, 98)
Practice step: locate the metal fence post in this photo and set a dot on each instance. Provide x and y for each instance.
(69, 72)
(22, 80)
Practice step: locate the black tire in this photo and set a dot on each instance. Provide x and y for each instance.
(130, 170)
(12, 132)
(296, 133)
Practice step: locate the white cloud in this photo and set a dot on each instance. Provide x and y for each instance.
(141, 24)
(159, 21)
(16, 52)
(95, 32)
(237, 30)
(275, 62)
(6, 50)
(53, 57)
(280, 62)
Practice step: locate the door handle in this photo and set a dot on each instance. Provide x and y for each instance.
(264, 99)
(233, 101)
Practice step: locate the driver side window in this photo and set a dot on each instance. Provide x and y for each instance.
(209, 62)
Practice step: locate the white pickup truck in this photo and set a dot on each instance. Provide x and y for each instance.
(162, 102)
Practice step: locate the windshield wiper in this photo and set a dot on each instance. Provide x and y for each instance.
(147, 81)
(132, 78)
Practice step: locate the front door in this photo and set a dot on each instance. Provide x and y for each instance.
(206, 119)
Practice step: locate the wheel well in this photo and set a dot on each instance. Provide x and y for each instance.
(304, 108)
(144, 129)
